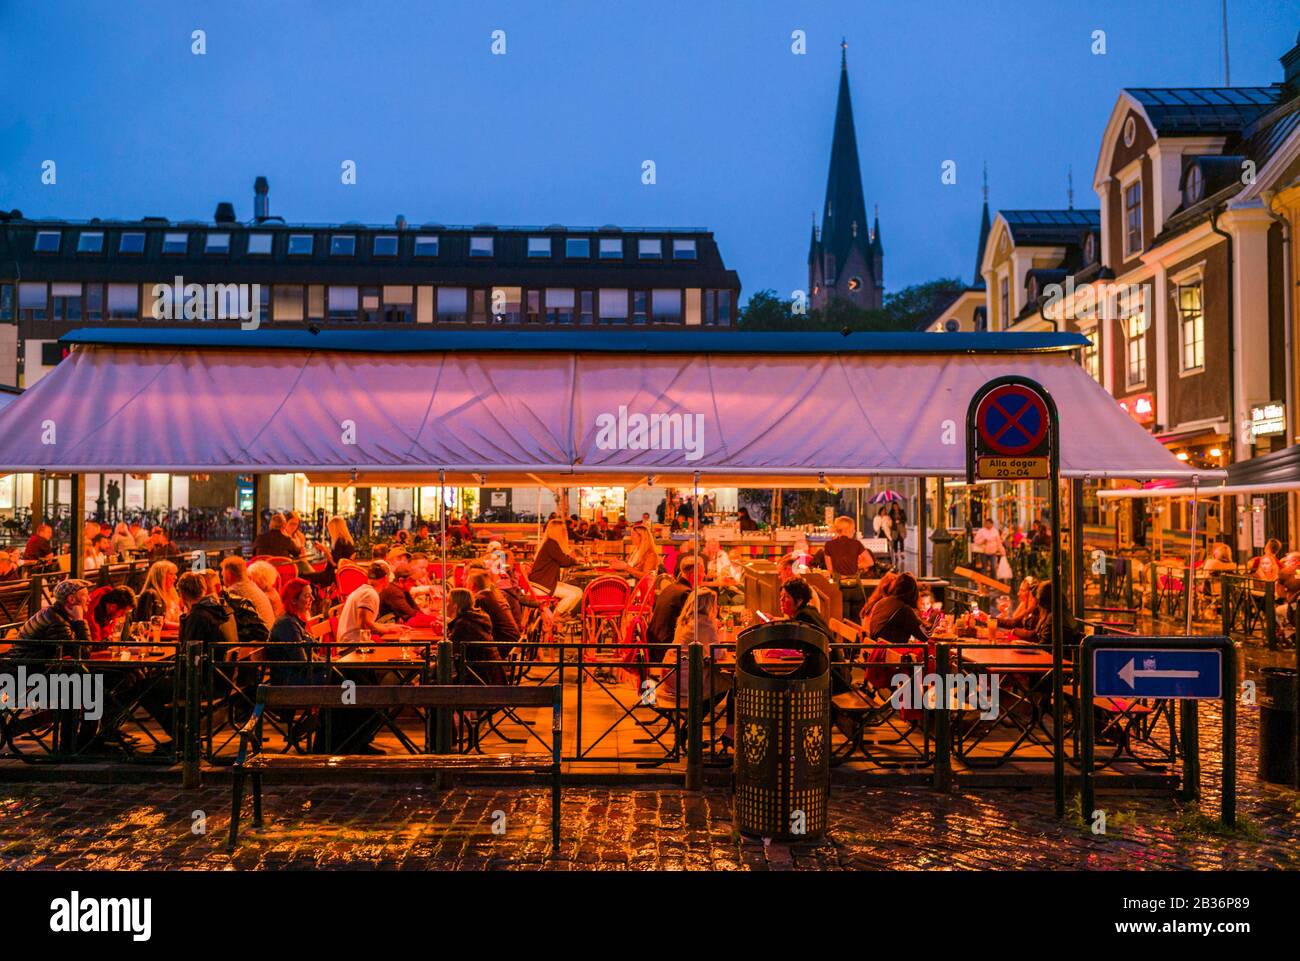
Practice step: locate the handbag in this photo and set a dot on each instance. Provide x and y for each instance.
(1004, 568)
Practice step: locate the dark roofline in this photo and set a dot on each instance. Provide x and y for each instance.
(696, 342)
(411, 227)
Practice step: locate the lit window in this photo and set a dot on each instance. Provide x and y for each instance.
(370, 305)
(1090, 356)
(286, 303)
(480, 246)
(47, 241)
(1133, 219)
(611, 248)
(1005, 297)
(506, 304)
(132, 243)
(301, 245)
(640, 306)
(683, 250)
(343, 245)
(399, 304)
(385, 245)
(259, 243)
(426, 246)
(650, 248)
(217, 244)
(175, 243)
(613, 304)
(539, 246)
(577, 247)
(1191, 322)
(1134, 325)
(90, 242)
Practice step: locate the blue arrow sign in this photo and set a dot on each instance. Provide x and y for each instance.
(1157, 672)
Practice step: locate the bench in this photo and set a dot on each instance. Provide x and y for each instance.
(253, 762)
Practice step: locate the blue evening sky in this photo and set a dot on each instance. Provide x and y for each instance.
(556, 130)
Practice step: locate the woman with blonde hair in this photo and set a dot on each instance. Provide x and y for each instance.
(552, 557)
(159, 598)
(698, 621)
(644, 559)
(265, 576)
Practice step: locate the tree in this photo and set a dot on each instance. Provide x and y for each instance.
(907, 309)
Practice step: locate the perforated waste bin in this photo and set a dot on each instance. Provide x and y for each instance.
(782, 731)
(1277, 707)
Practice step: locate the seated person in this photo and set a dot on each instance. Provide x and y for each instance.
(64, 620)
(490, 600)
(470, 633)
(552, 557)
(40, 546)
(275, 542)
(361, 610)
(108, 605)
(97, 554)
(1023, 621)
(668, 608)
(9, 570)
(895, 617)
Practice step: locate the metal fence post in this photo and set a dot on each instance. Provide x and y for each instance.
(442, 740)
(1270, 616)
(193, 669)
(695, 718)
(942, 723)
(1225, 605)
(1228, 804)
(1191, 751)
(1155, 590)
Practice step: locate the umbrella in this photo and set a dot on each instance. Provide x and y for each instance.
(886, 497)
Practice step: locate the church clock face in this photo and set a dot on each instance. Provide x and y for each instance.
(855, 283)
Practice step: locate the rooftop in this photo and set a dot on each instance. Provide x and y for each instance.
(1204, 110)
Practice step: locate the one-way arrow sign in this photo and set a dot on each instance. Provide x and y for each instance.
(1158, 672)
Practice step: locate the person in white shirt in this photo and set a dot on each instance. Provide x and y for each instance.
(361, 611)
(987, 546)
(96, 554)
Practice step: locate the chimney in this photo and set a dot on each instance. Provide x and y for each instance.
(401, 222)
(225, 213)
(261, 200)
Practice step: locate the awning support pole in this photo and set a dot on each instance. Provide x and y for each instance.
(1191, 563)
(78, 518)
(1076, 545)
(941, 539)
(921, 524)
(694, 690)
(442, 514)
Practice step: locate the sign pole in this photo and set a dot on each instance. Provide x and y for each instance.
(1058, 634)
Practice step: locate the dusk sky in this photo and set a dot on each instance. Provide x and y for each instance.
(556, 129)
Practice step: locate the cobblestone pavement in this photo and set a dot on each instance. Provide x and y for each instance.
(414, 827)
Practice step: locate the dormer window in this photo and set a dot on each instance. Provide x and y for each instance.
(1194, 185)
(175, 243)
(217, 244)
(47, 241)
(300, 245)
(480, 246)
(131, 243)
(343, 245)
(385, 245)
(90, 242)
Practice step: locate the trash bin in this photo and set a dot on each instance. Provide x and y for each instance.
(782, 727)
(1277, 748)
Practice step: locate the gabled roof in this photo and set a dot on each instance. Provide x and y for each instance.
(1189, 111)
(1049, 228)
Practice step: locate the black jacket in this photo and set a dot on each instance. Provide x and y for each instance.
(470, 633)
(505, 630)
(668, 607)
(275, 544)
(210, 622)
(43, 631)
(811, 616)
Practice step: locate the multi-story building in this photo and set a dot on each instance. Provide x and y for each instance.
(56, 276)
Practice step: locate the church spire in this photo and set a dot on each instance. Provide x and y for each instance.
(844, 202)
(985, 226)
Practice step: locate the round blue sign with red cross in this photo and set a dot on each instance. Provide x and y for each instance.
(1012, 420)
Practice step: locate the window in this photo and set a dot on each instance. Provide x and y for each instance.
(481, 246)
(577, 247)
(452, 305)
(559, 305)
(51, 353)
(478, 312)
(506, 304)
(613, 304)
(1194, 187)
(1004, 301)
(6, 303)
(286, 303)
(370, 312)
(426, 246)
(640, 306)
(316, 302)
(343, 245)
(683, 250)
(94, 302)
(259, 244)
(717, 308)
(47, 242)
(399, 304)
(1090, 356)
(175, 243)
(65, 301)
(667, 306)
(539, 246)
(611, 248)
(693, 298)
(33, 301)
(217, 244)
(342, 303)
(90, 242)
(586, 307)
(301, 245)
(1133, 218)
(650, 248)
(424, 305)
(385, 245)
(533, 307)
(1134, 325)
(123, 301)
(132, 243)
(1191, 325)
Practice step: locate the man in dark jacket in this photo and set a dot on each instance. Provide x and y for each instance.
(38, 546)
(489, 600)
(470, 633)
(668, 607)
(64, 620)
(274, 542)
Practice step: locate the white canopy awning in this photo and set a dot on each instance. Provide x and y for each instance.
(793, 410)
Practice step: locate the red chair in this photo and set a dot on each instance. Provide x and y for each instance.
(636, 625)
(603, 604)
(348, 579)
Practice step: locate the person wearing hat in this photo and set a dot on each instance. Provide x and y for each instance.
(361, 612)
(64, 620)
(8, 567)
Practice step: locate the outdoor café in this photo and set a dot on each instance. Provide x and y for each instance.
(683, 410)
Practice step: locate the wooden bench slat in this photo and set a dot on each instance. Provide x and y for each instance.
(470, 696)
(399, 762)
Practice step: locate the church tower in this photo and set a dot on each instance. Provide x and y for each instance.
(846, 259)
